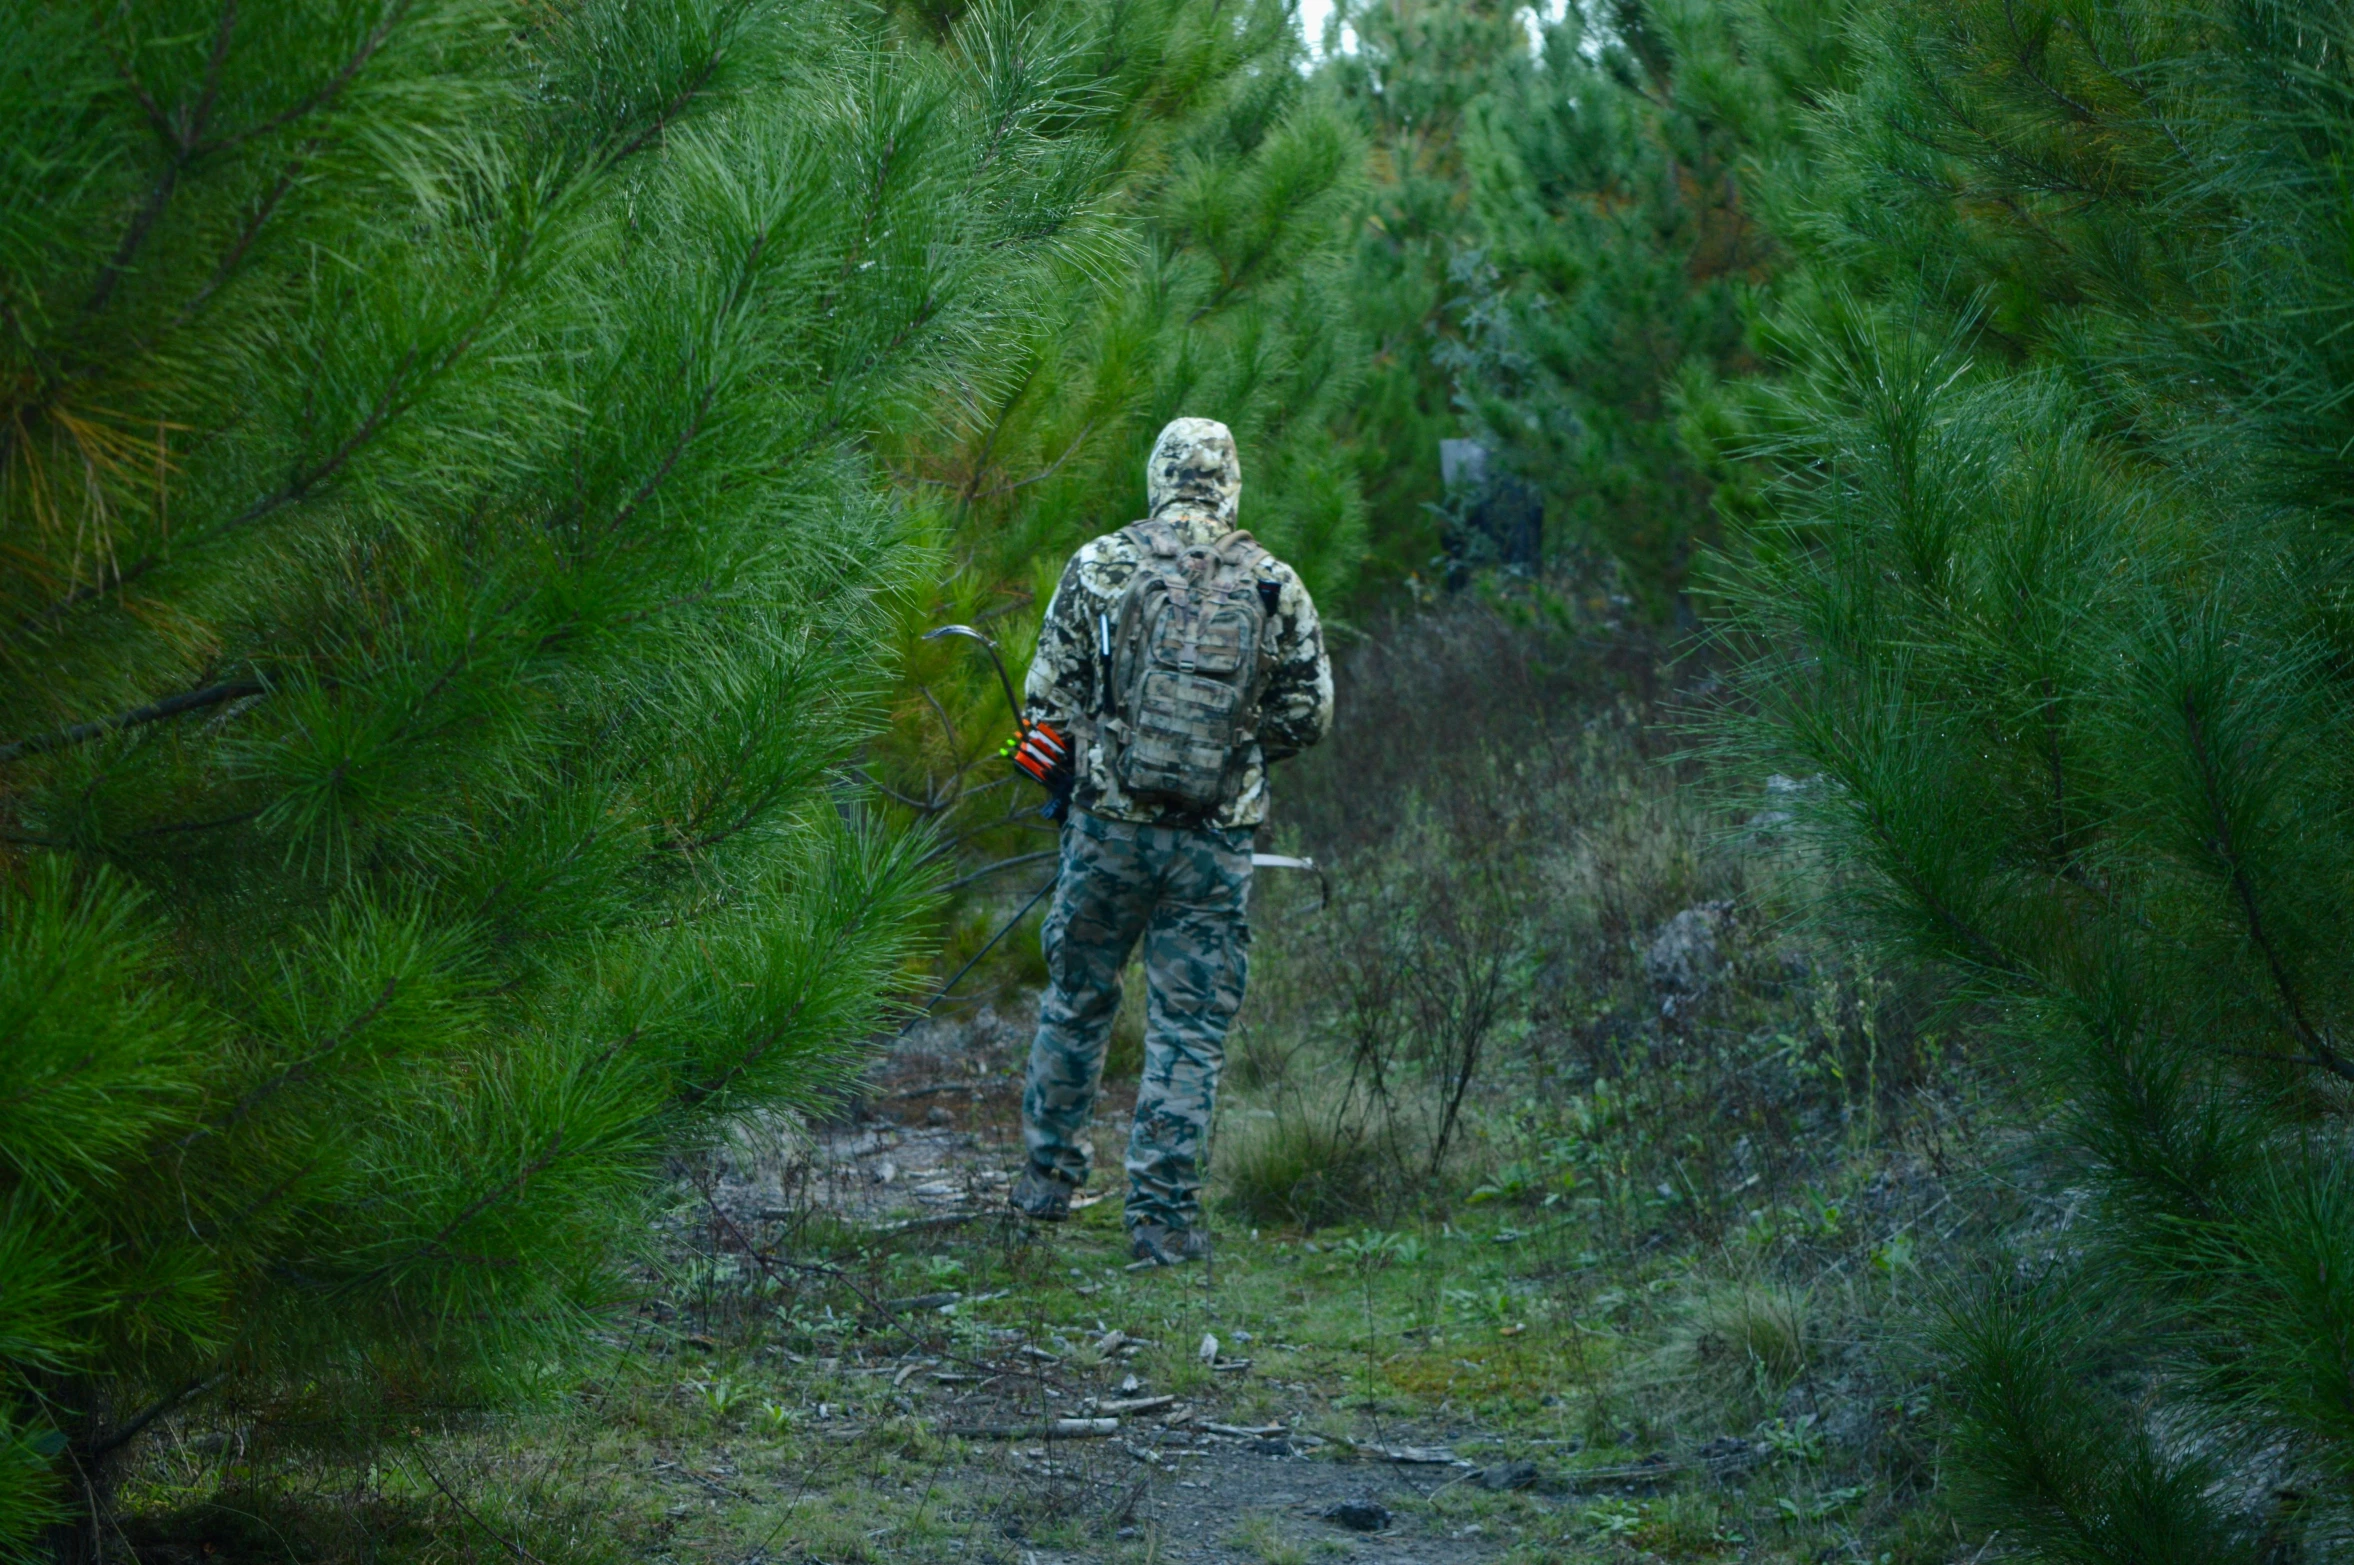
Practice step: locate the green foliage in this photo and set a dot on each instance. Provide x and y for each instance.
(1311, 1161)
(2052, 599)
(1559, 253)
(1620, 252)
(1418, 70)
(443, 574)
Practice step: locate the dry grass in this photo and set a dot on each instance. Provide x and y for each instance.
(1316, 1158)
(1736, 1347)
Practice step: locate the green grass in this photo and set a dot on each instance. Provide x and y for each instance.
(771, 1438)
(1313, 1161)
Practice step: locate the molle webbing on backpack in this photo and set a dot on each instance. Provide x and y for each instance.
(1189, 657)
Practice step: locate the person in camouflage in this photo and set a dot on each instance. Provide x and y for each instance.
(1130, 868)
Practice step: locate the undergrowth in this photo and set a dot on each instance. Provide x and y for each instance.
(1554, 1137)
(1575, 988)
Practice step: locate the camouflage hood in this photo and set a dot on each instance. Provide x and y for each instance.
(1195, 473)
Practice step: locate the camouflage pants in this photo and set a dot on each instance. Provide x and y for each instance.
(1187, 893)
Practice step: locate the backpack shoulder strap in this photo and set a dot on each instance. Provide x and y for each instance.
(1239, 559)
(1153, 537)
(1243, 549)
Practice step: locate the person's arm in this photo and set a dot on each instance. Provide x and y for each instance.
(1056, 691)
(1296, 709)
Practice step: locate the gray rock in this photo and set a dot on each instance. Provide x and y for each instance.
(1688, 953)
(1363, 1515)
(1507, 1475)
(1781, 794)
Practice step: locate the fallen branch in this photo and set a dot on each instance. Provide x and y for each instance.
(1053, 1429)
(1417, 1455)
(1638, 1472)
(943, 1220)
(933, 1089)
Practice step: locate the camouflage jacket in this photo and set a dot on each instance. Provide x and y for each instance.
(1295, 705)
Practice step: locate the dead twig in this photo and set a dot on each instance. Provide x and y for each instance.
(1052, 1429)
(467, 1511)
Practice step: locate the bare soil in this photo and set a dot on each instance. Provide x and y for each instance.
(934, 1145)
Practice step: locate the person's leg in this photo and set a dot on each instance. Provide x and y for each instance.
(1196, 958)
(1100, 903)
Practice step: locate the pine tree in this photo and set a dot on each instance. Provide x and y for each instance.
(1416, 72)
(2055, 601)
(1611, 182)
(1230, 178)
(442, 575)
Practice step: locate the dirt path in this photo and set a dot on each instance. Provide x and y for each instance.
(1248, 1462)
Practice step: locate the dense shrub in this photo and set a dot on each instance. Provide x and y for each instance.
(441, 577)
(2053, 600)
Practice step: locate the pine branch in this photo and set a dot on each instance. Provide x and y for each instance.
(2023, 57)
(1232, 280)
(1984, 952)
(751, 811)
(1005, 411)
(326, 93)
(2317, 1045)
(670, 110)
(845, 936)
(234, 256)
(181, 139)
(153, 712)
(299, 485)
(438, 1244)
(235, 1221)
(131, 1428)
(654, 481)
(2130, 78)
(299, 1071)
(947, 729)
(1052, 468)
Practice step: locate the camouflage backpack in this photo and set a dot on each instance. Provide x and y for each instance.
(1187, 644)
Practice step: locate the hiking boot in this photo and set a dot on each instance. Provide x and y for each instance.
(1166, 1246)
(1042, 1194)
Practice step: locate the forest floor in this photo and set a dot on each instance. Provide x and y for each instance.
(849, 1350)
(1660, 1298)
(1268, 1406)
(853, 1352)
